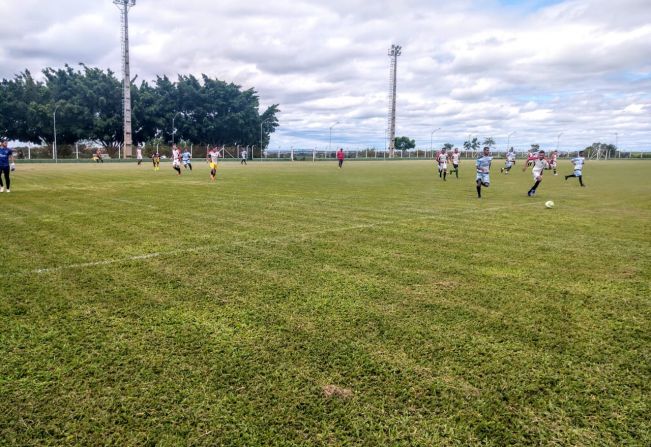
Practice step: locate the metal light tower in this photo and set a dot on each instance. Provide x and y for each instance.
(394, 52)
(124, 6)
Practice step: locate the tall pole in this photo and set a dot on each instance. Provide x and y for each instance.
(431, 139)
(174, 128)
(330, 141)
(617, 145)
(394, 52)
(261, 147)
(55, 156)
(558, 141)
(124, 6)
(508, 141)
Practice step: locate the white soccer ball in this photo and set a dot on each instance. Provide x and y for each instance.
(549, 204)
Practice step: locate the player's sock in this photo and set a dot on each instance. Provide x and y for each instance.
(445, 174)
(535, 186)
(581, 180)
(479, 191)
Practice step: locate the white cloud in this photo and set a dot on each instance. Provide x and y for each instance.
(581, 67)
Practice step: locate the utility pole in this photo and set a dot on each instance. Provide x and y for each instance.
(431, 139)
(394, 52)
(124, 6)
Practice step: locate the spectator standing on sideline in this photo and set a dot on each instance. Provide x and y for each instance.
(340, 157)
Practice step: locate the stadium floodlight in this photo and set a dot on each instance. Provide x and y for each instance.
(508, 140)
(431, 138)
(174, 128)
(261, 147)
(394, 52)
(330, 142)
(124, 6)
(55, 156)
(558, 140)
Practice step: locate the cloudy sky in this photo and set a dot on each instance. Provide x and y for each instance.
(486, 68)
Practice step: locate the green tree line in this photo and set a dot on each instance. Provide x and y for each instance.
(88, 104)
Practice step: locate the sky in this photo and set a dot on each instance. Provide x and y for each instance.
(532, 69)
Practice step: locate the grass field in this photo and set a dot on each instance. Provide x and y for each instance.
(300, 304)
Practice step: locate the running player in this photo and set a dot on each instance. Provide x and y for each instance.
(455, 156)
(186, 157)
(176, 159)
(155, 159)
(538, 166)
(578, 163)
(553, 160)
(510, 161)
(7, 164)
(139, 155)
(442, 159)
(213, 159)
(483, 171)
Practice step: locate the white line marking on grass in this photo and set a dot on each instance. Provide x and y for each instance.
(302, 236)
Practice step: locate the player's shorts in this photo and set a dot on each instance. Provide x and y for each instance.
(508, 164)
(483, 177)
(156, 160)
(213, 165)
(186, 162)
(443, 166)
(578, 172)
(552, 165)
(455, 166)
(537, 175)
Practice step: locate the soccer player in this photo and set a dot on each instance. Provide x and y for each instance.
(176, 159)
(510, 161)
(7, 164)
(538, 166)
(155, 159)
(442, 159)
(483, 171)
(455, 156)
(187, 159)
(98, 156)
(139, 155)
(243, 155)
(553, 161)
(213, 159)
(531, 157)
(340, 157)
(578, 168)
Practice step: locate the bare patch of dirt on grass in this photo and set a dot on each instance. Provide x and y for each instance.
(337, 391)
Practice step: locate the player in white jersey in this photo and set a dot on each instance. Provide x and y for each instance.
(483, 165)
(510, 161)
(139, 155)
(537, 168)
(176, 160)
(553, 161)
(578, 168)
(213, 160)
(442, 159)
(455, 156)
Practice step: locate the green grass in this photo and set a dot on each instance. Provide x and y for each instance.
(141, 308)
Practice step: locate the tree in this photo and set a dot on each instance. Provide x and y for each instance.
(535, 147)
(601, 150)
(474, 144)
(448, 146)
(490, 142)
(404, 143)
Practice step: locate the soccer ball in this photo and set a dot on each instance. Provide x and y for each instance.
(549, 204)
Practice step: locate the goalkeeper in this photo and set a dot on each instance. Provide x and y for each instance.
(6, 165)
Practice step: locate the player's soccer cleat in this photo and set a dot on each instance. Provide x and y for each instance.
(8, 191)
(2, 189)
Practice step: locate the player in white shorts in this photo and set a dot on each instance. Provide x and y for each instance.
(483, 171)
(537, 168)
(510, 161)
(578, 168)
(455, 156)
(442, 159)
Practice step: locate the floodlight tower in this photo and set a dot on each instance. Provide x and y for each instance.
(394, 52)
(124, 6)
